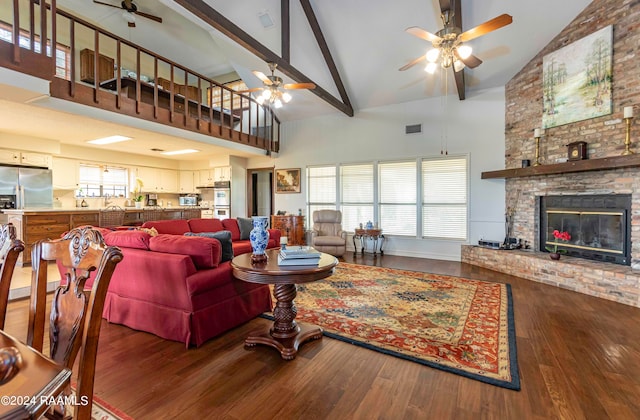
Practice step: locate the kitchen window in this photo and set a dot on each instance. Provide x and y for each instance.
(100, 181)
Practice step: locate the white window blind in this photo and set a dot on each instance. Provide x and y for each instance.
(321, 191)
(444, 198)
(95, 181)
(398, 198)
(356, 194)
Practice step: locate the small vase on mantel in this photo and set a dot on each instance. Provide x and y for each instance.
(259, 238)
(554, 256)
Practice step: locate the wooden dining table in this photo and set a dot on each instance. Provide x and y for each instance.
(37, 384)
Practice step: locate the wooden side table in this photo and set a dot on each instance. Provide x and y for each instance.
(286, 335)
(374, 236)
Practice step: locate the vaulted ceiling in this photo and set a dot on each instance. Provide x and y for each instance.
(366, 40)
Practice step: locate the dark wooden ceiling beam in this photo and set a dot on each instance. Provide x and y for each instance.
(285, 37)
(458, 75)
(324, 48)
(212, 17)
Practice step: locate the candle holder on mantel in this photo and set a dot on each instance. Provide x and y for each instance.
(628, 116)
(537, 133)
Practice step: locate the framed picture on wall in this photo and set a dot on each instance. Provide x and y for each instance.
(288, 180)
(577, 80)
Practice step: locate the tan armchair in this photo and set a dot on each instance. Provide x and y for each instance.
(327, 234)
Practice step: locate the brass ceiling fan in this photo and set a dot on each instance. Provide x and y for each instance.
(448, 43)
(271, 91)
(130, 10)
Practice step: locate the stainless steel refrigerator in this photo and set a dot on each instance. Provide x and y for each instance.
(32, 187)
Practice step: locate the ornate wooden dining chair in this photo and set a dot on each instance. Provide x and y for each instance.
(76, 312)
(10, 248)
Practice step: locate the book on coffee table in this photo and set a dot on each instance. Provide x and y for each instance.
(306, 261)
(299, 252)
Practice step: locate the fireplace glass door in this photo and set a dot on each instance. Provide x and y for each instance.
(598, 232)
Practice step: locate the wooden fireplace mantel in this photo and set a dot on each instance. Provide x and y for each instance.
(600, 164)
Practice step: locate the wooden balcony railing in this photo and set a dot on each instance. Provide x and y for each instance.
(97, 68)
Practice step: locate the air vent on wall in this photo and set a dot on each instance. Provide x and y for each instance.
(413, 129)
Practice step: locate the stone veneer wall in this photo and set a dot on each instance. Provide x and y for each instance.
(604, 136)
(615, 282)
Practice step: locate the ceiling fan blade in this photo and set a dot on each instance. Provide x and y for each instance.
(300, 86)
(250, 90)
(106, 4)
(260, 75)
(148, 16)
(421, 33)
(472, 61)
(485, 28)
(413, 63)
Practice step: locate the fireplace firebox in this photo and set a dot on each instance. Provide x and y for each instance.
(599, 225)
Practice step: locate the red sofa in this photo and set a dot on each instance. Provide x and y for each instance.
(180, 227)
(176, 286)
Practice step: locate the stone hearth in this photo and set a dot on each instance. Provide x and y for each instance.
(604, 280)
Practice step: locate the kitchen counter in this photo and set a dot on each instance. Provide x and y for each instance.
(35, 210)
(34, 224)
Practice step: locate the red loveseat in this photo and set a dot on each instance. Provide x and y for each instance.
(177, 287)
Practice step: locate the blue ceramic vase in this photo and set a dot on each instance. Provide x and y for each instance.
(259, 237)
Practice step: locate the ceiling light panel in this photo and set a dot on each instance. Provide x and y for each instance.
(180, 152)
(109, 140)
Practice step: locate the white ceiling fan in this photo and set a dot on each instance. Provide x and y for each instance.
(273, 90)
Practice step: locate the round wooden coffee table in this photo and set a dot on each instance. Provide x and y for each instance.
(285, 335)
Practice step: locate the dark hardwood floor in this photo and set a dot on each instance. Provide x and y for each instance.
(579, 358)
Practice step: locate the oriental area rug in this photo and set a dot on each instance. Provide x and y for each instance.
(458, 325)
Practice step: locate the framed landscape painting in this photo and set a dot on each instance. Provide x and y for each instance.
(288, 180)
(576, 80)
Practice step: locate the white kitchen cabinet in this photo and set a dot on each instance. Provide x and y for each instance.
(206, 177)
(65, 173)
(150, 178)
(35, 159)
(156, 180)
(9, 156)
(168, 181)
(222, 173)
(188, 181)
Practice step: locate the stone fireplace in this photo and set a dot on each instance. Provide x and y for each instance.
(599, 225)
(615, 191)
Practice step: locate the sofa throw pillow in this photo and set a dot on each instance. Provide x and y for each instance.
(224, 236)
(245, 225)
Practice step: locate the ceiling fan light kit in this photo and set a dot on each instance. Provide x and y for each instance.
(449, 49)
(273, 90)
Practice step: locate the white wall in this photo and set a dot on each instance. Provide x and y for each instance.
(474, 126)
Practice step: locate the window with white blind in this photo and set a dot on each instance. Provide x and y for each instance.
(397, 202)
(444, 198)
(356, 195)
(321, 190)
(415, 198)
(98, 181)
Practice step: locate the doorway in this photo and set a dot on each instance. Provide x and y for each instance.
(260, 191)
